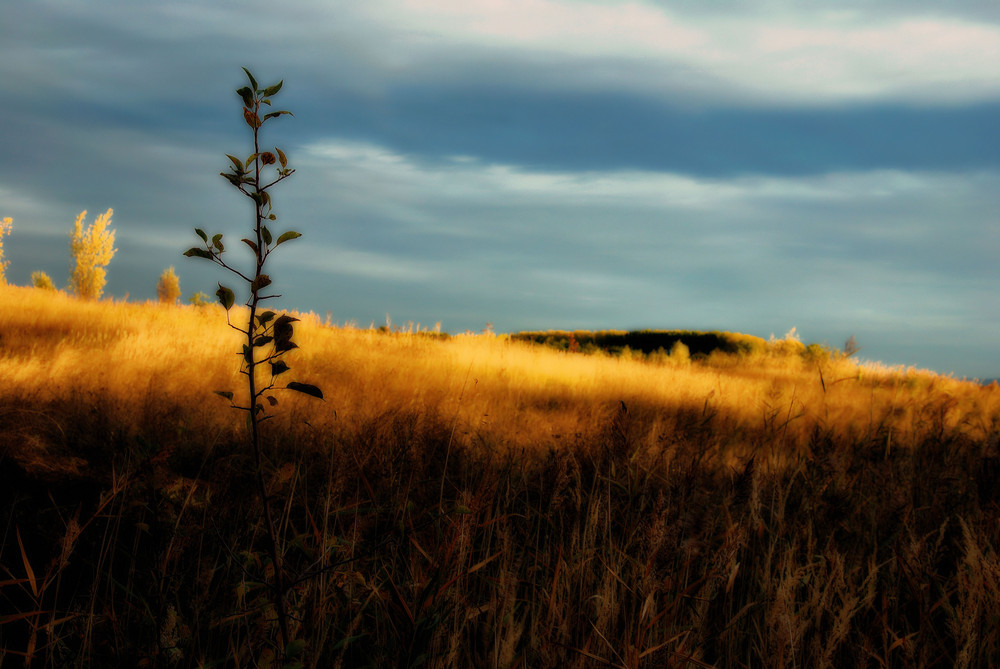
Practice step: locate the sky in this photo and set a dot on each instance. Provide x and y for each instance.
(536, 164)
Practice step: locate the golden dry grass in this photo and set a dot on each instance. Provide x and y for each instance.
(474, 501)
(500, 391)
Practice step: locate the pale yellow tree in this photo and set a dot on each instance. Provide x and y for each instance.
(92, 250)
(5, 225)
(168, 289)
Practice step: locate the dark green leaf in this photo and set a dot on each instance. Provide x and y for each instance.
(262, 340)
(198, 253)
(266, 234)
(201, 233)
(264, 317)
(260, 281)
(272, 400)
(278, 367)
(294, 648)
(281, 346)
(305, 388)
(237, 162)
(345, 641)
(226, 297)
(251, 244)
(247, 354)
(283, 326)
(247, 96)
(277, 113)
(253, 82)
(225, 393)
(217, 242)
(233, 178)
(285, 236)
(271, 90)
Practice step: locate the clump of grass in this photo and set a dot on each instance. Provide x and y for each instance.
(476, 501)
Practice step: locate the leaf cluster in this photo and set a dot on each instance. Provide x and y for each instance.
(245, 174)
(272, 334)
(214, 248)
(265, 328)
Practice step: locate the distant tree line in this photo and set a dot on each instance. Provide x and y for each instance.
(644, 341)
(91, 250)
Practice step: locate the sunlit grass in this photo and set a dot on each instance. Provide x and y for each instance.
(476, 501)
(520, 395)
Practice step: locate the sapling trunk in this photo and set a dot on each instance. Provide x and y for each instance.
(264, 329)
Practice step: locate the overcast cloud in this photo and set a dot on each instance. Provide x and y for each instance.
(538, 163)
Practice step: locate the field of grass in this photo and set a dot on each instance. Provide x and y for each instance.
(484, 502)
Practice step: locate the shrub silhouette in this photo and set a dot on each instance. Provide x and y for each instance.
(168, 288)
(200, 299)
(5, 225)
(42, 280)
(92, 249)
(680, 354)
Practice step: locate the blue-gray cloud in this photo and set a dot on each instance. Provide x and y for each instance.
(647, 164)
(617, 131)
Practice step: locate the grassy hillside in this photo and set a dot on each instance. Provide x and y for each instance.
(480, 501)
